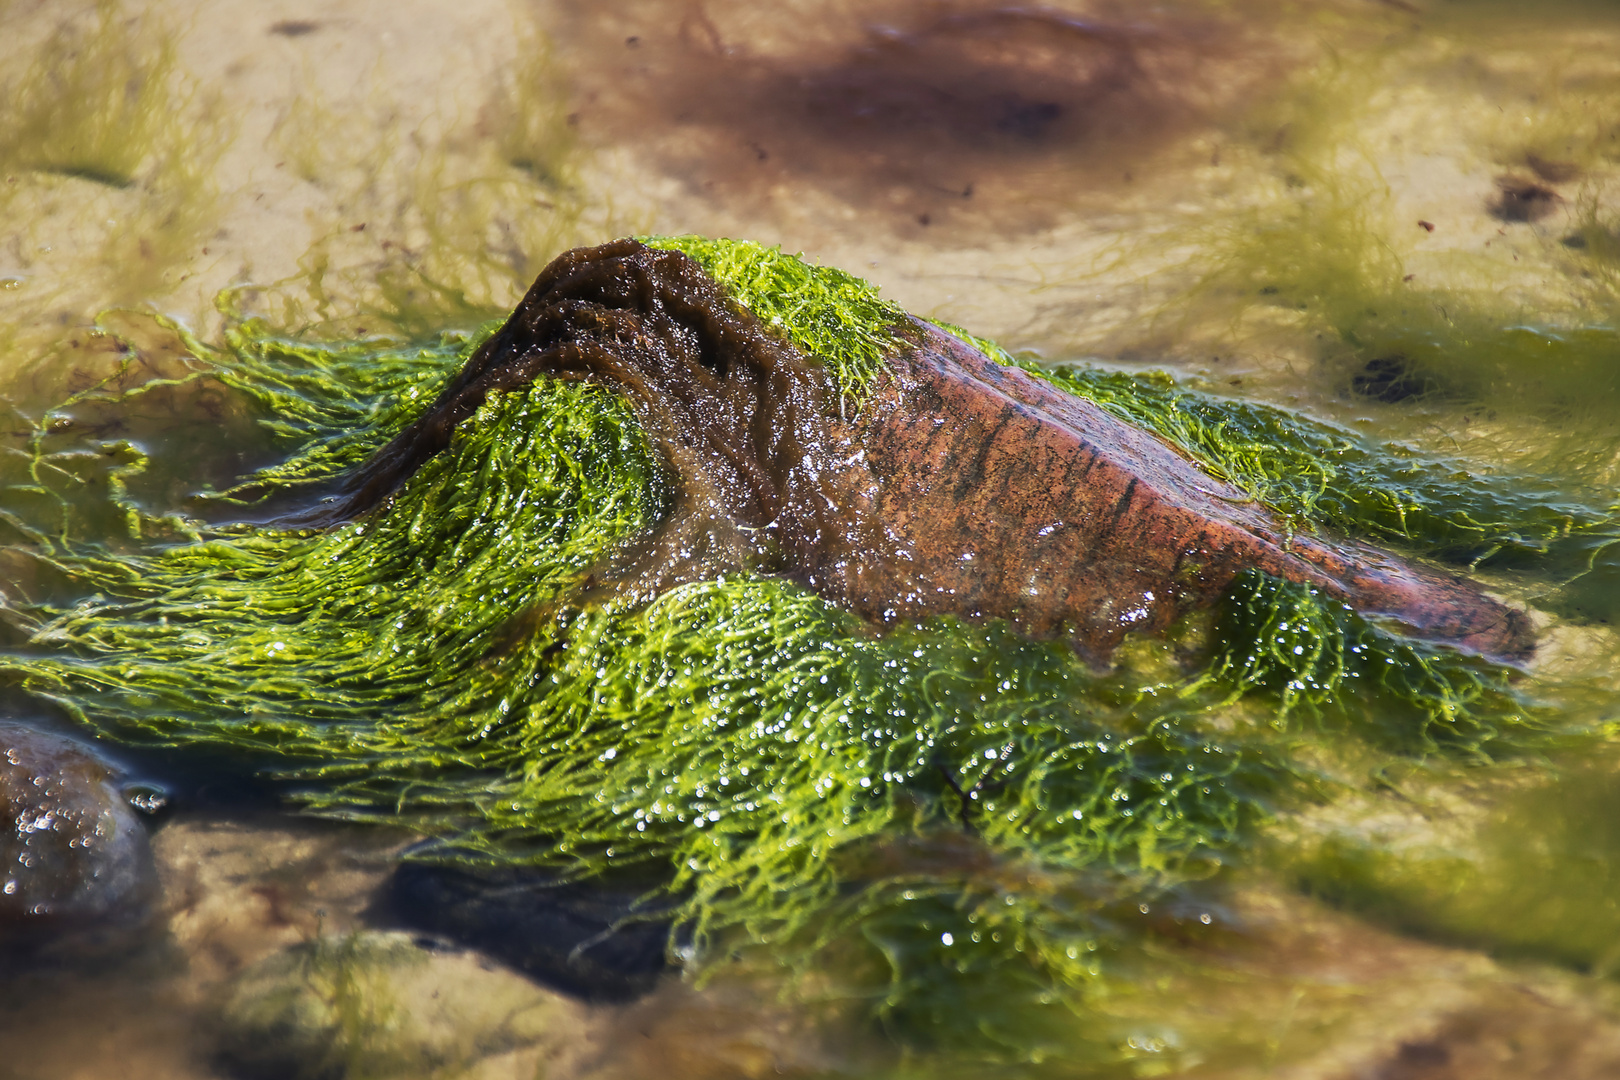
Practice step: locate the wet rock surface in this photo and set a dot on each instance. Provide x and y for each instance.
(266, 911)
(962, 487)
(74, 853)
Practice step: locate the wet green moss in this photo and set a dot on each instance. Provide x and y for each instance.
(948, 808)
(828, 313)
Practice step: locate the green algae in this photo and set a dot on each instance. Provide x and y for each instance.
(948, 808)
(92, 106)
(828, 313)
(108, 151)
(413, 241)
(489, 710)
(1350, 255)
(1532, 877)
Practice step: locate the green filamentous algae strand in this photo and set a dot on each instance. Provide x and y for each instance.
(942, 822)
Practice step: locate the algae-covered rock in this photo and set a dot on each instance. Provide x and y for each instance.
(383, 1004)
(73, 851)
(960, 486)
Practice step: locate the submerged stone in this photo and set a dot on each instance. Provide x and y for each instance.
(385, 1004)
(73, 852)
(588, 939)
(959, 486)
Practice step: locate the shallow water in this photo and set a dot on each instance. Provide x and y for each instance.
(1401, 218)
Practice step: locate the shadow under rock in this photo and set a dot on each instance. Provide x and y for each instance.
(597, 941)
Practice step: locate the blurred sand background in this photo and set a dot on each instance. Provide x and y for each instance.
(1112, 180)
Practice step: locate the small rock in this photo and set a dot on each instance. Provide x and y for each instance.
(73, 852)
(384, 1004)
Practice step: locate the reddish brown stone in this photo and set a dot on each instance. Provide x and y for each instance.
(1020, 500)
(961, 487)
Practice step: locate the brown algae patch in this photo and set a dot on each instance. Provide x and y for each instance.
(976, 118)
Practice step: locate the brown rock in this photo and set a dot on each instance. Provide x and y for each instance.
(1020, 500)
(962, 487)
(72, 852)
